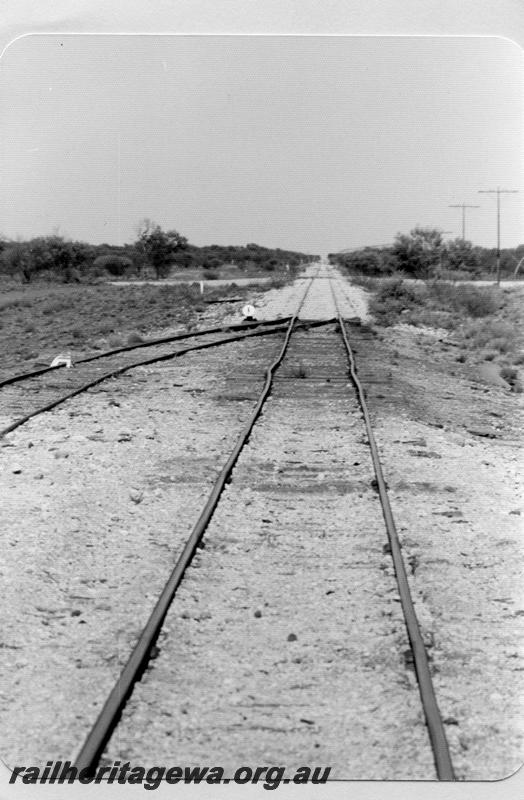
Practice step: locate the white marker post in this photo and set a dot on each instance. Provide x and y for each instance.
(201, 287)
(62, 358)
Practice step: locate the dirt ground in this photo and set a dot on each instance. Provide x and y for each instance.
(451, 443)
(91, 493)
(37, 322)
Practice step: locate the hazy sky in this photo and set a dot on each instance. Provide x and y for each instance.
(310, 143)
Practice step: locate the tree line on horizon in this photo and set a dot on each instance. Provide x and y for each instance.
(423, 253)
(154, 253)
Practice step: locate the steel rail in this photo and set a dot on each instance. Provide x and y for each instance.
(21, 376)
(93, 747)
(437, 735)
(166, 357)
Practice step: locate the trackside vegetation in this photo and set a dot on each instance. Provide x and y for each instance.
(423, 281)
(485, 322)
(424, 254)
(155, 254)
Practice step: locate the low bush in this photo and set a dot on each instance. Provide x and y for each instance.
(270, 265)
(478, 301)
(437, 304)
(454, 275)
(365, 281)
(484, 332)
(397, 289)
(495, 336)
(431, 318)
(277, 282)
(54, 306)
(474, 301)
(210, 274)
(115, 265)
(485, 320)
(392, 298)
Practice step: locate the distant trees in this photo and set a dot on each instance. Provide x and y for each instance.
(509, 260)
(250, 257)
(157, 247)
(419, 253)
(460, 255)
(372, 261)
(15, 261)
(422, 253)
(61, 256)
(51, 255)
(114, 264)
(56, 258)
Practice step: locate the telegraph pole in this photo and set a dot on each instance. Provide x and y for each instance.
(498, 191)
(463, 206)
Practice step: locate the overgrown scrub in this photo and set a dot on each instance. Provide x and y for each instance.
(423, 253)
(474, 301)
(365, 281)
(278, 282)
(114, 265)
(210, 274)
(392, 299)
(485, 321)
(495, 335)
(436, 303)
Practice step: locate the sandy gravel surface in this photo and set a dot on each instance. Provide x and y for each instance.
(286, 643)
(97, 499)
(286, 638)
(319, 304)
(452, 448)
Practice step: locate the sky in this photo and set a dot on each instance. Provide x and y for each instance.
(302, 142)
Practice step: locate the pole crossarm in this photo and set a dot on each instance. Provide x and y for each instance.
(463, 206)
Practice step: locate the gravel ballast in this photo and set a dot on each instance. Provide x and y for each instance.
(99, 497)
(285, 643)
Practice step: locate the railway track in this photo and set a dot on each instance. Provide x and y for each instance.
(325, 554)
(49, 387)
